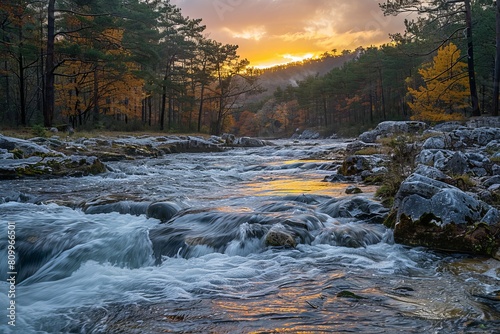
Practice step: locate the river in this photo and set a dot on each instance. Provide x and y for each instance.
(79, 272)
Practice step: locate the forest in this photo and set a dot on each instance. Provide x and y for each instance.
(142, 65)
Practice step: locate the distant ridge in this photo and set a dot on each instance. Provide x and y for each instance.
(290, 74)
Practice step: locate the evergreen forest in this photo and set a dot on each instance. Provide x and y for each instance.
(142, 65)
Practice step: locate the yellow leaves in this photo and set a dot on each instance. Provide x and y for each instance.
(85, 84)
(445, 93)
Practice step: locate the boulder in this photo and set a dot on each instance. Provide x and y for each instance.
(438, 142)
(50, 167)
(357, 164)
(24, 148)
(357, 208)
(353, 190)
(249, 142)
(278, 236)
(437, 215)
(163, 211)
(390, 128)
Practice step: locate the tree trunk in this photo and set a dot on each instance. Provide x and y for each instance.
(200, 112)
(497, 63)
(470, 61)
(96, 97)
(48, 108)
(22, 87)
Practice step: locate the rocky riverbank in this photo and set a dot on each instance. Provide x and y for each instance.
(441, 183)
(55, 156)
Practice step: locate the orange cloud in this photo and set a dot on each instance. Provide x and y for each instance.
(265, 30)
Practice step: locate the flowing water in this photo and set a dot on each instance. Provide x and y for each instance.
(86, 266)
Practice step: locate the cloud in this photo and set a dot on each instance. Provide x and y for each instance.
(268, 29)
(251, 33)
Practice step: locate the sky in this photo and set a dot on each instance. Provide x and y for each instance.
(271, 32)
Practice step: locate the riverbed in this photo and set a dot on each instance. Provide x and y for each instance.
(101, 272)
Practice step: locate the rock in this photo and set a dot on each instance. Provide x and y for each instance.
(390, 128)
(432, 172)
(435, 143)
(163, 211)
(124, 207)
(25, 147)
(480, 122)
(437, 215)
(334, 178)
(356, 164)
(359, 145)
(278, 236)
(476, 137)
(228, 138)
(359, 208)
(353, 190)
(4, 154)
(249, 142)
(309, 134)
(457, 164)
(369, 136)
(491, 181)
(448, 126)
(50, 167)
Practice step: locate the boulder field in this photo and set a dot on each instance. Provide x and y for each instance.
(449, 196)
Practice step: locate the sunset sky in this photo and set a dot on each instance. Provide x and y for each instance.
(271, 32)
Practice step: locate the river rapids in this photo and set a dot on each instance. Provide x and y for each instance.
(208, 269)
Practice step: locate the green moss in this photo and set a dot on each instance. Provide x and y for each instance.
(18, 154)
(97, 168)
(464, 182)
(368, 151)
(391, 219)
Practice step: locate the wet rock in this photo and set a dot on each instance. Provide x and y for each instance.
(279, 237)
(435, 214)
(50, 167)
(124, 207)
(358, 208)
(4, 154)
(309, 134)
(337, 178)
(356, 164)
(353, 190)
(26, 148)
(163, 211)
(228, 138)
(250, 142)
(353, 235)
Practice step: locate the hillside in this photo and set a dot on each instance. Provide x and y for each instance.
(289, 74)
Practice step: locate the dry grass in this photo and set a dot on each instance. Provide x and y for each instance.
(27, 133)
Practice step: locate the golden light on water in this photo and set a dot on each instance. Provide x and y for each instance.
(286, 186)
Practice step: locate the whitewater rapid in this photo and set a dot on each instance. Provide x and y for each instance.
(103, 273)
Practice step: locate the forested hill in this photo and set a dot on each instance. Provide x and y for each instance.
(292, 73)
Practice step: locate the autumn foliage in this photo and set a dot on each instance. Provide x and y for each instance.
(445, 92)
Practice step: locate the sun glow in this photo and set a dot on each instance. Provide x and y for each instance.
(286, 59)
